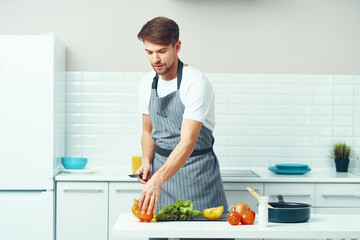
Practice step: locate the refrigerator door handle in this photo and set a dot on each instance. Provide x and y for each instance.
(82, 190)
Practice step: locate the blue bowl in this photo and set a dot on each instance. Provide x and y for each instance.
(292, 166)
(74, 162)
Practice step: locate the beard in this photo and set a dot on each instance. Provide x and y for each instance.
(165, 70)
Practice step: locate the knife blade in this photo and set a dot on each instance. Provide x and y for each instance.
(135, 175)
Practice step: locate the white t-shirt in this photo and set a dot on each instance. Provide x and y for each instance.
(196, 93)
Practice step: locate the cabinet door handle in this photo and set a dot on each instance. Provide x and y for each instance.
(292, 195)
(238, 190)
(127, 190)
(87, 190)
(340, 195)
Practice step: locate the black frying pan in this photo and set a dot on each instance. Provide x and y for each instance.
(288, 212)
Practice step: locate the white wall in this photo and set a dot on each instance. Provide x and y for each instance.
(261, 119)
(229, 36)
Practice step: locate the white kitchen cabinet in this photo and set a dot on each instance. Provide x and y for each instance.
(121, 199)
(237, 192)
(338, 195)
(337, 198)
(291, 192)
(82, 211)
(117, 194)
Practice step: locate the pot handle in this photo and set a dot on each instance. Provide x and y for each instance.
(280, 198)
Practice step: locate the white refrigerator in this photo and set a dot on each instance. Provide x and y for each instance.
(32, 133)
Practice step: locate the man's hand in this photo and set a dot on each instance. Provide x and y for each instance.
(150, 195)
(145, 170)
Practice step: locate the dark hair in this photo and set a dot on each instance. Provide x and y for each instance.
(160, 30)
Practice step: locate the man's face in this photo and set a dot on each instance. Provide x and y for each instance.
(161, 57)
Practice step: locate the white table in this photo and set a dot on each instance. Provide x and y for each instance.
(319, 226)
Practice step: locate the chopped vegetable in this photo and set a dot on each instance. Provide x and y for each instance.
(178, 211)
(213, 213)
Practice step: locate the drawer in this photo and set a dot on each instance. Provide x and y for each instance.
(237, 192)
(82, 210)
(291, 192)
(337, 195)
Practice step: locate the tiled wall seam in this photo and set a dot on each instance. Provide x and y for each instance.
(261, 119)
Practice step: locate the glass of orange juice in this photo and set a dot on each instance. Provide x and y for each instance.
(136, 163)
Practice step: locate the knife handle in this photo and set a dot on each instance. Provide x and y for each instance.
(136, 175)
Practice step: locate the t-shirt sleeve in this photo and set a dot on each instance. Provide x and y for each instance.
(198, 101)
(144, 95)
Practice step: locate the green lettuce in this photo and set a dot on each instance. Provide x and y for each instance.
(178, 211)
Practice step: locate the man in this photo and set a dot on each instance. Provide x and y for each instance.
(177, 103)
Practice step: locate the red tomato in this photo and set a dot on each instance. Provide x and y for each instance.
(234, 218)
(248, 217)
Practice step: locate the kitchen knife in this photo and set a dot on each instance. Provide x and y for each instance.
(135, 175)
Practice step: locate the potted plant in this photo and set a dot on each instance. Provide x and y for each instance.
(341, 153)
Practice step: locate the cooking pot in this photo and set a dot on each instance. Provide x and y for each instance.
(288, 212)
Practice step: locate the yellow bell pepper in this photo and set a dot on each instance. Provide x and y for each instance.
(213, 213)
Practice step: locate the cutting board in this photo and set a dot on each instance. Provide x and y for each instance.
(201, 218)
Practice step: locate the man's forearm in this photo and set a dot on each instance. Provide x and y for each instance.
(175, 161)
(189, 132)
(148, 147)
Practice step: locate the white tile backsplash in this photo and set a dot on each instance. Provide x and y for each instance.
(261, 119)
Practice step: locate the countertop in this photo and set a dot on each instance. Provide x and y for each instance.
(319, 226)
(317, 175)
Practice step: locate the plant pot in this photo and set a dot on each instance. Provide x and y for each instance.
(342, 165)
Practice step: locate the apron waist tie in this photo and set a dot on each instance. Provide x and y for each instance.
(166, 152)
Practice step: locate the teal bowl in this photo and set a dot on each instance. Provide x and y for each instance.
(292, 166)
(74, 162)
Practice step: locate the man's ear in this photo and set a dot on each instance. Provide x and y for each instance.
(178, 46)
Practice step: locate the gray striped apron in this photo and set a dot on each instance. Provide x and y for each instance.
(199, 180)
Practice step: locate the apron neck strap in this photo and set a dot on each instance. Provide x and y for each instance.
(179, 73)
(179, 76)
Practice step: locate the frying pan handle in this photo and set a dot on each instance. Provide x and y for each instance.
(280, 198)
